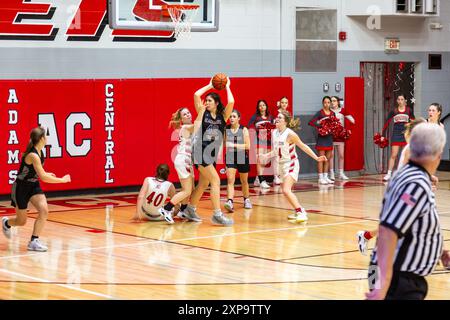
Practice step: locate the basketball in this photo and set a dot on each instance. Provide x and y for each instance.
(219, 81)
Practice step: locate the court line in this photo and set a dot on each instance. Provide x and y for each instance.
(207, 284)
(41, 280)
(175, 241)
(321, 255)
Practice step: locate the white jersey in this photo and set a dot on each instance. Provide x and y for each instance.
(156, 196)
(184, 144)
(284, 151)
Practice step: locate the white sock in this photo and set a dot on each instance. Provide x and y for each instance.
(331, 171)
(325, 175)
(218, 212)
(320, 175)
(341, 171)
(389, 172)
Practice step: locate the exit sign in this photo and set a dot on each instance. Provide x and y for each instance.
(392, 45)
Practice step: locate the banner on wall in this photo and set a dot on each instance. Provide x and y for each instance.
(109, 133)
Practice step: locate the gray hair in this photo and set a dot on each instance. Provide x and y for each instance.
(427, 141)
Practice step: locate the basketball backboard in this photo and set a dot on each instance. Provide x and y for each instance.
(149, 14)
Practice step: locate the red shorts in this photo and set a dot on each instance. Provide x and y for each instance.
(400, 144)
(321, 148)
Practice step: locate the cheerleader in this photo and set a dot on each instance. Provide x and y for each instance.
(339, 143)
(283, 104)
(435, 113)
(236, 158)
(284, 141)
(27, 188)
(324, 143)
(182, 121)
(153, 195)
(259, 121)
(401, 116)
(365, 235)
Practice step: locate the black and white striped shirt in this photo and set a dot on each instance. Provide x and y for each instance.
(409, 209)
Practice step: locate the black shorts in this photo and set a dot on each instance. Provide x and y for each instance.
(407, 286)
(404, 285)
(241, 168)
(204, 158)
(22, 191)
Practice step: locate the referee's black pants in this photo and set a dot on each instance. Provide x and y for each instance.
(407, 286)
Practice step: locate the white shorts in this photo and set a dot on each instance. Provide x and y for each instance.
(289, 168)
(152, 216)
(183, 165)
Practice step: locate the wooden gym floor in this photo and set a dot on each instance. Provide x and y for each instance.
(97, 252)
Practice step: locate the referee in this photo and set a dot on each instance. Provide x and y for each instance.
(410, 241)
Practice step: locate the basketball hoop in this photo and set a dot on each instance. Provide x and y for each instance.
(182, 16)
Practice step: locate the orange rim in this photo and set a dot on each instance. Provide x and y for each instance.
(165, 8)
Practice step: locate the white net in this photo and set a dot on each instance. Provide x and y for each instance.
(182, 17)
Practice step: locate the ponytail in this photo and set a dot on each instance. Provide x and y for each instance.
(291, 122)
(175, 121)
(35, 136)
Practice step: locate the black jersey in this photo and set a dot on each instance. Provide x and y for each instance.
(27, 171)
(235, 154)
(212, 129)
(208, 140)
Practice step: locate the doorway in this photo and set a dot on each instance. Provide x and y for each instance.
(383, 83)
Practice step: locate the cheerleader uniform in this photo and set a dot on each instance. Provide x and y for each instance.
(183, 159)
(26, 184)
(288, 164)
(207, 146)
(237, 158)
(341, 114)
(400, 119)
(263, 136)
(323, 142)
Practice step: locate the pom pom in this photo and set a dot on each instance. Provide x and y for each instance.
(380, 141)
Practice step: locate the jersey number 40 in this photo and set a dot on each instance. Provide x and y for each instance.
(155, 200)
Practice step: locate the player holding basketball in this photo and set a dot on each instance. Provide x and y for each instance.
(261, 118)
(27, 188)
(284, 140)
(237, 159)
(182, 121)
(324, 143)
(208, 143)
(340, 113)
(153, 195)
(401, 116)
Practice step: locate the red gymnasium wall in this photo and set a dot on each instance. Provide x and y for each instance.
(108, 133)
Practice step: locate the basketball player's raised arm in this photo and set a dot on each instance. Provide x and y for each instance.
(199, 93)
(294, 138)
(199, 118)
(230, 104)
(140, 201)
(45, 176)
